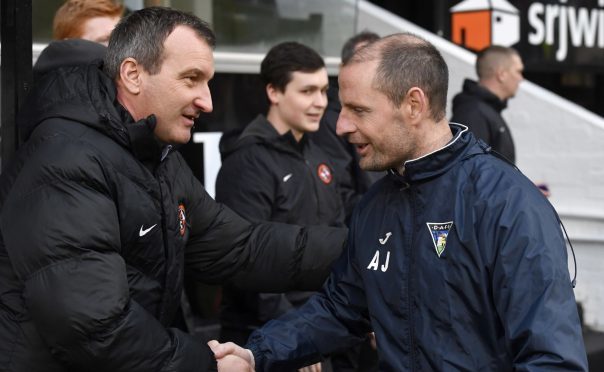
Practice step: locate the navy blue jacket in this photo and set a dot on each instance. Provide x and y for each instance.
(459, 264)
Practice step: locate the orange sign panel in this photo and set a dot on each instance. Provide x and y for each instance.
(471, 29)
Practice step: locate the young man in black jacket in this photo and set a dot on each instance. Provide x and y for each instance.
(274, 172)
(100, 220)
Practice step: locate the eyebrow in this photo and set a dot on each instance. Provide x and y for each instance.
(354, 105)
(315, 86)
(193, 70)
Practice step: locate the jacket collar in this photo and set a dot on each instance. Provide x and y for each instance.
(472, 88)
(462, 146)
(143, 143)
(260, 130)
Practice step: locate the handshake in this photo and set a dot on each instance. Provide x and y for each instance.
(232, 357)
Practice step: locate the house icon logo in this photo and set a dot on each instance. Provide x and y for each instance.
(477, 24)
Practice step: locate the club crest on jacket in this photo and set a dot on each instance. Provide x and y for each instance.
(182, 219)
(439, 232)
(324, 173)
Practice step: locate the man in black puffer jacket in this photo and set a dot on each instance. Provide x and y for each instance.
(101, 220)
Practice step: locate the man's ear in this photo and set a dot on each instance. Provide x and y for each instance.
(501, 74)
(130, 75)
(272, 93)
(416, 104)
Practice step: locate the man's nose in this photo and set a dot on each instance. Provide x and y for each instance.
(320, 99)
(344, 126)
(204, 100)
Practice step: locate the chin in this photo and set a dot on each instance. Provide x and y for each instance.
(372, 165)
(183, 141)
(180, 140)
(312, 127)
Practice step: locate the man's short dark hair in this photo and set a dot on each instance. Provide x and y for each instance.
(406, 61)
(492, 58)
(141, 35)
(284, 59)
(350, 46)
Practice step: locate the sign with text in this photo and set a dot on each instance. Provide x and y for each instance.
(551, 35)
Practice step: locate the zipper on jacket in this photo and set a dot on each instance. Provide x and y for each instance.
(314, 185)
(411, 278)
(166, 246)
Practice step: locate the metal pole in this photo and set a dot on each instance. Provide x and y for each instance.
(440, 12)
(16, 70)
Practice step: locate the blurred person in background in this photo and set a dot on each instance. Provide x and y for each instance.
(87, 19)
(480, 103)
(81, 30)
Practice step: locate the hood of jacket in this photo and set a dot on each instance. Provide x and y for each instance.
(260, 131)
(86, 95)
(64, 53)
(473, 92)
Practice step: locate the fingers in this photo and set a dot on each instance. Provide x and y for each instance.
(232, 363)
(217, 349)
(221, 350)
(213, 344)
(228, 348)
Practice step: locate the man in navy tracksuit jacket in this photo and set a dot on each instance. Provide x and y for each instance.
(455, 259)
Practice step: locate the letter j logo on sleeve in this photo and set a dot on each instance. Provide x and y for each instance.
(439, 231)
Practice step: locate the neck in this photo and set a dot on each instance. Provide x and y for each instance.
(275, 120)
(123, 100)
(493, 87)
(436, 136)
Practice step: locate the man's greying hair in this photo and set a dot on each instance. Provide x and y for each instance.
(407, 61)
(141, 35)
(285, 58)
(493, 58)
(350, 46)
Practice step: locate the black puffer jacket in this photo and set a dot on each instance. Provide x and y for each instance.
(480, 110)
(270, 177)
(97, 234)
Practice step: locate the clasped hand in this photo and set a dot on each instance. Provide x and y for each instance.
(232, 357)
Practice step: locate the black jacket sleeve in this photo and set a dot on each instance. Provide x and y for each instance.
(61, 231)
(263, 257)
